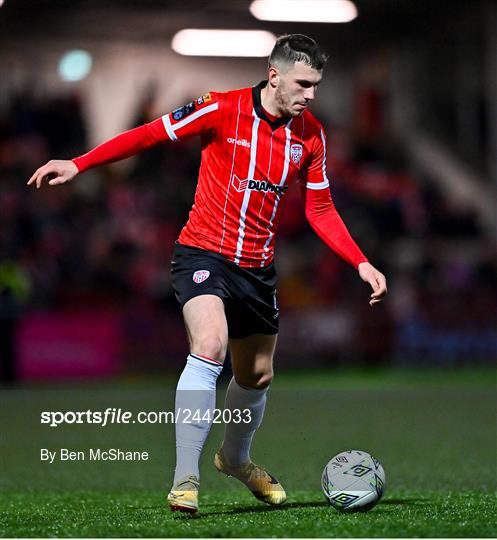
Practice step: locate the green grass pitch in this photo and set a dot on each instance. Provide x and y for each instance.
(435, 433)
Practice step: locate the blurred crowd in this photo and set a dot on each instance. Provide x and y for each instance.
(105, 242)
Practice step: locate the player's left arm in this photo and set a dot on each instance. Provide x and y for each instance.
(324, 218)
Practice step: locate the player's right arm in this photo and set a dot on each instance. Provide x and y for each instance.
(194, 118)
(324, 218)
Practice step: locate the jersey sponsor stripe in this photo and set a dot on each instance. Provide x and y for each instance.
(284, 174)
(195, 115)
(167, 125)
(246, 196)
(235, 146)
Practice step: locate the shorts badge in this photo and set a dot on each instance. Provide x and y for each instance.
(201, 275)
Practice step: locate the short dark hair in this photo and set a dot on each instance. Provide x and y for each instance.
(292, 48)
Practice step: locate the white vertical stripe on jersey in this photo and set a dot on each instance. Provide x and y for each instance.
(268, 176)
(169, 130)
(323, 140)
(279, 195)
(235, 146)
(246, 196)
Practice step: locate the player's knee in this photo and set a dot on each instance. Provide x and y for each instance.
(258, 380)
(265, 380)
(211, 347)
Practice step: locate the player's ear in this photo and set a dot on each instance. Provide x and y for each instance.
(273, 76)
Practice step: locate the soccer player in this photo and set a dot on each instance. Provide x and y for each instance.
(256, 143)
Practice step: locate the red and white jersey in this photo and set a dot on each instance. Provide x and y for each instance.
(248, 163)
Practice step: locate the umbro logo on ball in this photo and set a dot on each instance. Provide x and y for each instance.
(201, 275)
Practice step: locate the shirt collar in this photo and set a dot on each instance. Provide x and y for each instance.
(259, 110)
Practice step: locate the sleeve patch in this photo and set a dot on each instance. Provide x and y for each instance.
(181, 112)
(204, 99)
(186, 110)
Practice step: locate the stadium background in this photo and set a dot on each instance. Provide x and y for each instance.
(87, 313)
(408, 103)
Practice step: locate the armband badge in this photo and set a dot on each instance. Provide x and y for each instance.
(180, 113)
(204, 99)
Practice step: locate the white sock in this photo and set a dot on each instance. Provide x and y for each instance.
(196, 391)
(238, 437)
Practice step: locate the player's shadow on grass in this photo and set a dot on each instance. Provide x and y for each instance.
(258, 509)
(383, 505)
(403, 500)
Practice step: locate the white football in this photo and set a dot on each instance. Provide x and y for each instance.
(353, 481)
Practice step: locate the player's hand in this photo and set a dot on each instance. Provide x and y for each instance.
(56, 171)
(376, 279)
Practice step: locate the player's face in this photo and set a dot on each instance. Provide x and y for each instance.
(295, 88)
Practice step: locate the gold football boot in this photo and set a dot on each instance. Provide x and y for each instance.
(263, 485)
(184, 495)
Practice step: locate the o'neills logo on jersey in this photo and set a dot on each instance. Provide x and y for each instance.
(239, 142)
(256, 185)
(201, 275)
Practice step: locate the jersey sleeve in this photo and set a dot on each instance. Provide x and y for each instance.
(194, 118)
(324, 218)
(320, 209)
(314, 175)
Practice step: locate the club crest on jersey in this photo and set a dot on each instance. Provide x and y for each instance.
(296, 153)
(200, 275)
